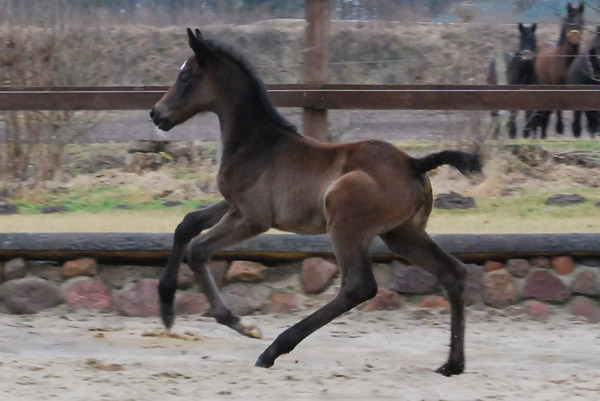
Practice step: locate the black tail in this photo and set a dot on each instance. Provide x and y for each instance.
(466, 163)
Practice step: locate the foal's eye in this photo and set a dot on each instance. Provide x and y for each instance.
(184, 77)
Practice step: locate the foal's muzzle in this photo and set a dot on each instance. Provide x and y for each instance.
(163, 123)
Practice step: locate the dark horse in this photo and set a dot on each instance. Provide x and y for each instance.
(585, 70)
(554, 60)
(520, 71)
(271, 176)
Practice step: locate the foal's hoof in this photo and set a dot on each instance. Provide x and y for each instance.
(448, 369)
(168, 318)
(263, 363)
(249, 330)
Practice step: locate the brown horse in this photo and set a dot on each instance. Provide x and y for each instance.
(553, 60)
(271, 176)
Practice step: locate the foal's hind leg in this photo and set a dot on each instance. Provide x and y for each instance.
(192, 224)
(348, 222)
(420, 250)
(358, 285)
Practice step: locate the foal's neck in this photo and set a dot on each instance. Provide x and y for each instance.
(249, 122)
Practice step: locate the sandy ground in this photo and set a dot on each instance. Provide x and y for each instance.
(69, 355)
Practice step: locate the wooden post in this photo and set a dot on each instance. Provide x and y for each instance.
(503, 115)
(316, 58)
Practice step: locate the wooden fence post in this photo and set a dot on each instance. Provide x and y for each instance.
(316, 58)
(503, 115)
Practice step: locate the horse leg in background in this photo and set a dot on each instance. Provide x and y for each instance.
(419, 249)
(544, 119)
(593, 120)
(560, 127)
(512, 124)
(231, 229)
(495, 119)
(192, 224)
(576, 124)
(358, 285)
(530, 123)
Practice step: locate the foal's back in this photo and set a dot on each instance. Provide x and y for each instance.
(312, 176)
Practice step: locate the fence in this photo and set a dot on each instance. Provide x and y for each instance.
(324, 96)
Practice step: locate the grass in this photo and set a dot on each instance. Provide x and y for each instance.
(93, 200)
(160, 221)
(521, 213)
(165, 221)
(94, 207)
(555, 146)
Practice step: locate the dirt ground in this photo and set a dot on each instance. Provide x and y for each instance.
(62, 354)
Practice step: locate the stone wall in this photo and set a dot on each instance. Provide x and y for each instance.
(533, 285)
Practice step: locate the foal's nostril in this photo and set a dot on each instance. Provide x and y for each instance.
(152, 114)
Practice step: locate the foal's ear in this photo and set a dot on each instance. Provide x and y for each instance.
(521, 27)
(533, 26)
(197, 44)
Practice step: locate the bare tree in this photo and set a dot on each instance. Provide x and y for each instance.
(35, 141)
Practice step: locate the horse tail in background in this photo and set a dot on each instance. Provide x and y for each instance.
(466, 163)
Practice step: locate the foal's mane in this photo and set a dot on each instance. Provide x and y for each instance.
(256, 84)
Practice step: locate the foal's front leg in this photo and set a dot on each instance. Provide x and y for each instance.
(192, 224)
(231, 229)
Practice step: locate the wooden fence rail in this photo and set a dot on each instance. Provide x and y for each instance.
(324, 96)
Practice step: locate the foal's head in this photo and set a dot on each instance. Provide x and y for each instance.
(194, 90)
(528, 43)
(572, 26)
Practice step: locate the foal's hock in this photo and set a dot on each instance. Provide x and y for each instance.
(271, 176)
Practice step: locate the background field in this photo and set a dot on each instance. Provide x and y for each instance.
(79, 161)
(509, 197)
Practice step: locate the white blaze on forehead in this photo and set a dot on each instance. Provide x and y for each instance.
(183, 65)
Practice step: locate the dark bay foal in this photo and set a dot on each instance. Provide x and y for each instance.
(271, 176)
